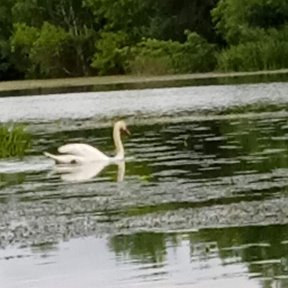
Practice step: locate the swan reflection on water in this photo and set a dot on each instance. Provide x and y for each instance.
(84, 172)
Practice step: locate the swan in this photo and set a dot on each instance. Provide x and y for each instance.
(79, 153)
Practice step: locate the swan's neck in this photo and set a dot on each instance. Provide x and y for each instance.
(118, 143)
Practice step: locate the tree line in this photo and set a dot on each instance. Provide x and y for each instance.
(66, 38)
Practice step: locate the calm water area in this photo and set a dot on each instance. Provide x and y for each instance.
(200, 201)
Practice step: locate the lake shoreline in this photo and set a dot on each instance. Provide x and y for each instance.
(104, 83)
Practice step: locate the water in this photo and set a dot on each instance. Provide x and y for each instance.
(201, 200)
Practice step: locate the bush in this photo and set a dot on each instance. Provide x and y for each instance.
(108, 58)
(270, 52)
(234, 19)
(22, 42)
(49, 50)
(152, 56)
(14, 141)
(197, 55)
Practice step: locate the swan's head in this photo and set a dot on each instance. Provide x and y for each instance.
(122, 127)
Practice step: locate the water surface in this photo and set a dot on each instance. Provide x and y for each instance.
(200, 201)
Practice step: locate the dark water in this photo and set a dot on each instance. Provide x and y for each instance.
(200, 202)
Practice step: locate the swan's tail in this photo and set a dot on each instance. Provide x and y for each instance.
(54, 157)
(64, 159)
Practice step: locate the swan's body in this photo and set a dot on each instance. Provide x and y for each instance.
(79, 153)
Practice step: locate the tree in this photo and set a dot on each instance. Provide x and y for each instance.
(162, 19)
(7, 68)
(256, 32)
(69, 16)
(244, 20)
(172, 17)
(22, 42)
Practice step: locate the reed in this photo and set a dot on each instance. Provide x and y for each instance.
(268, 54)
(14, 140)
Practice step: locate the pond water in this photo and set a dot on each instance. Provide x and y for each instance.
(201, 200)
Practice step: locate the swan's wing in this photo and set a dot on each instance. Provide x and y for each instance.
(82, 150)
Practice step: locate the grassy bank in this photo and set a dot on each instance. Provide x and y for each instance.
(106, 82)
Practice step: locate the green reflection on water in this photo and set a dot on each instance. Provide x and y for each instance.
(147, 247)
(11, 179)
(263, 249)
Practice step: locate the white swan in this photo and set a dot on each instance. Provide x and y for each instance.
(79, 153)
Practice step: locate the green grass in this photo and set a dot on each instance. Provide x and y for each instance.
(270, 54)
(14, 140)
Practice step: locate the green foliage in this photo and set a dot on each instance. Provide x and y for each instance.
(6, 63)
(229, 19)
(24, 37)
(150, 65)
(201, 56)
(14, 141)
(266, 51)
(108, 58)
(161, 19)
(128, 16)
(267, 14)
(48, 50)
(42, 50)
(65, 38)
(235, 19)
(22, 42)
(257, 34)
(152, 56)
(28, 12)
(59, 38)
(144, 246)
(172, 17)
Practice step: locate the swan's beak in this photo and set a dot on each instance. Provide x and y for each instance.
(127, 131)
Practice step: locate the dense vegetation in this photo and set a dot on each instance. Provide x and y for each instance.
(14, 141)
(63, 38)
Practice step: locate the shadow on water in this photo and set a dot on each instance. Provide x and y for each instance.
(200, 199)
